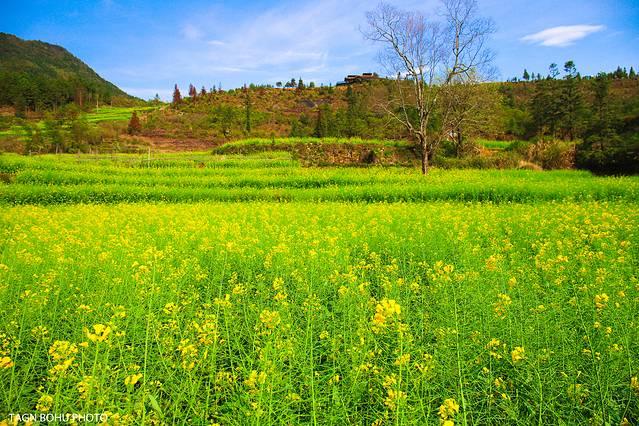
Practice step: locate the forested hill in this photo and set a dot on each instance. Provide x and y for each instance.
(35, 75)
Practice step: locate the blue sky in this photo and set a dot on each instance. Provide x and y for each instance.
(146, 46)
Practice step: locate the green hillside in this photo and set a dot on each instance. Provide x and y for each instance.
(35, 75)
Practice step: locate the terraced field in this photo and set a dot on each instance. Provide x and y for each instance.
(232, 290)
(275, 176)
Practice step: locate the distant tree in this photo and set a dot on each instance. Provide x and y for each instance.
(324, 122)
(278, 84)
(632, 73)
(354, 118)
(545, 107)
(311, 85)
(293, 83)
(135, 126)
(570, 69)
(571, 102)
(177, 96)
(300, 84)
(203, 91)
(526, 76)
(553, 71)
(156, 99)
(192, 91)
(247, 110)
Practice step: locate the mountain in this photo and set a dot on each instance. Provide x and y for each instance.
(35, 75)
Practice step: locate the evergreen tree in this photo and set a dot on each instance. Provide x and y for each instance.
(545, 107)
(323, 125)
(177, 97)
(553, 71)
(192, 91)
(526, 76)
(354, 122)
(632, 73)
(571, 102)
(203, 91)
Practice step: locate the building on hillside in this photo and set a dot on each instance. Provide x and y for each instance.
(358, 78)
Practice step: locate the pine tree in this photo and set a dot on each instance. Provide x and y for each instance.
(177, 97)
(526, 76)
(203, 91)
(571, 102)
(192, 91)
(631, 73)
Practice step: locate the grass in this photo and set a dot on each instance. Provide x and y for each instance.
(519, 308)
(492, 144)
(113, 113)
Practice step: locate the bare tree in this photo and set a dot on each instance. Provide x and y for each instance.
(427, 55)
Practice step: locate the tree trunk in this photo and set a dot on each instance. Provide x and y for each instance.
(424, 159)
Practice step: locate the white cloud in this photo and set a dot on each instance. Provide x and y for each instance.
(562, 36)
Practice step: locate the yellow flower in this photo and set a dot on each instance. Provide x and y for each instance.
(39, 332)
(100, 333)
(402, 360)
(61, 350)
(493, 346)
(518, 354)
(634, 384)
(393, 397)
(132, 379)
(84, 386)
(386, 310)
(5, 362)
(189, 354)
(324, 335)
(601, 300)
(44, 403)
(255, 378)
(270, 319)
(223, 303)
(171, 308)
(501, 305)
(448, 409)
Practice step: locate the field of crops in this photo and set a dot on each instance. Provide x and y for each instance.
(275, 177)
(234, 290)
(94, 116)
